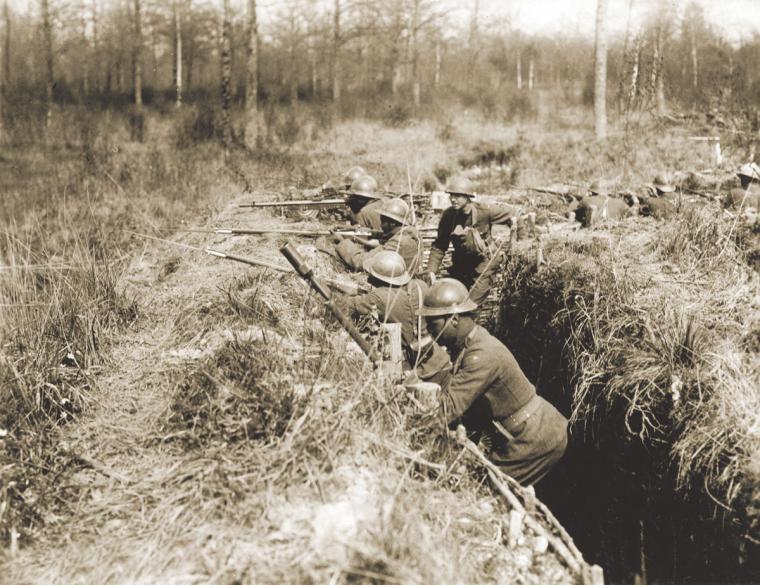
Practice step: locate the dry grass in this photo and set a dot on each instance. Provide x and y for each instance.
(655, 319)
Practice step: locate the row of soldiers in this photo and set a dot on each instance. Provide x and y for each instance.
(475, 378)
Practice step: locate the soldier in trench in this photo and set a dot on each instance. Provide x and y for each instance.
(488, 392)
(398, 235)
(396, 297)
(466, 225)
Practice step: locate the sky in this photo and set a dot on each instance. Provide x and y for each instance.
(736, 18)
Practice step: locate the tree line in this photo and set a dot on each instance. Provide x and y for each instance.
(412, 52)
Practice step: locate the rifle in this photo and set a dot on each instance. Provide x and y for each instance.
(297, 203)
(305, 271)
(305, 233)
(348, 288)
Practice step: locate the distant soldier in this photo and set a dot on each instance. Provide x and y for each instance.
(598, 188)
(398, 235)
(397, 298)
(467, 226)
(748, 195)
(352, 175)
(489, 393)
(599, 206)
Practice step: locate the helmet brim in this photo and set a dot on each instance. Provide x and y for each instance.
(469, 195)
(394, 217)
(399, 280)
(467, 307)
(364, 195)
(663, 188)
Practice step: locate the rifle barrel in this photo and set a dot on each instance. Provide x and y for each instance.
(249, 261)
(296, 203)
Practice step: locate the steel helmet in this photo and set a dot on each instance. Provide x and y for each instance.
(389, 267)
(397, 210)
(460, 185)
(447, 296)
(662, 184)
(352, 174)
(365, 186)
(750, 170)
(598, 188)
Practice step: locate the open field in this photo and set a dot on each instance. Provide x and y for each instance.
(169, 417)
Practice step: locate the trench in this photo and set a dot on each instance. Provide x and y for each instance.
(615, 494)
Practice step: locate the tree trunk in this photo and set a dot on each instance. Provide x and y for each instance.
(226, 58)
(85, 56)
(415, 54)
(519, 71)
(531, 73)
(138, 121)
(336, 61)
(395, 56)
(252, 79)
(47, 39)
(6, 65)
(2, 86)
(313, 69)
(600, 72)
(96, 61)
(694, 61)
(438, 62)
(177, 53)
(660, 70)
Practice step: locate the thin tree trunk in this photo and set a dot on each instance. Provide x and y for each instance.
(137, 55)
(226, 58)
(531, 73)
(47, 35)
(438, 61)
(177, 54)
(660, 70)
(86, 56)
(96, 61)
(395, 47)
(137, 126)
(7, 52)
(336, 61)
(251, 128)
(415, 54)
(2, 86)
(519, 71)
(313, 69)
(600, 72)
(694, 61)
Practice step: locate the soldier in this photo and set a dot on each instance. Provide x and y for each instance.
(748, 195)
(598, 188)
(398, 235)
(364, 203)
(351, 175)
(489, 393)
(397, 297)
(467, 225)
(663, 188)
(600, 206)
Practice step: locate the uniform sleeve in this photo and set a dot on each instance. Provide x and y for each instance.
(357, 304)
(469, 383)
(500, 213)
(351, 253)
(441, 243)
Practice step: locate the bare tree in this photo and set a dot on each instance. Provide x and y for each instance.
(137, 45)
(47, 42)
(600, 72)
(252, 79)
(396, 31)
(336, 57)
(3, 81)
(226, 58)
(415, 52)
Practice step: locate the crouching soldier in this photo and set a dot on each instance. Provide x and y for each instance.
(398, 236)
(397, 297)
(488, 392)
(466, 225)
(748, 195)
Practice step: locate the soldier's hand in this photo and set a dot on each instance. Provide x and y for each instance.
(364, 307)
(430, 278)
(336, 238)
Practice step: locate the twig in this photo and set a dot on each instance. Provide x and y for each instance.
(101, 468)
(564, 546)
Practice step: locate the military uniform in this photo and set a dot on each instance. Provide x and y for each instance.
(606, 208)
(399, 305)
(475, 260)
(404, 240)
(490, 395)
(741, 198)
(369, 216)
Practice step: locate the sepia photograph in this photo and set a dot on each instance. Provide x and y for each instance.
(366, 292)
